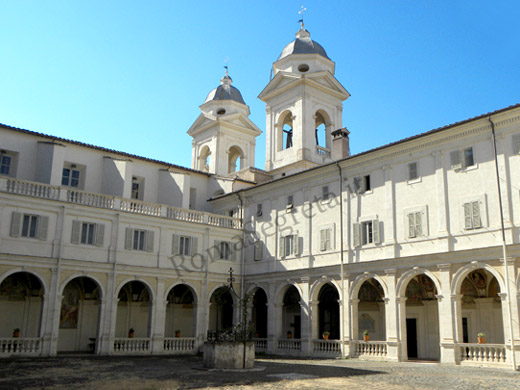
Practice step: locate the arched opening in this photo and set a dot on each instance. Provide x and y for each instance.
(321, 130)
(371, 310)
(79, 315)
(133, 310)
(481, 308)
(286, 133)
(21, 302)
(236, 160)
(221, 310)
(328, 309)
(180, 312)
(259, 313)
(422, 319)
(205, 159)
(291, 314)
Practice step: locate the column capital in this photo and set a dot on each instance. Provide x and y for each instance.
(444, 267)
(503, 296)
(439, 297)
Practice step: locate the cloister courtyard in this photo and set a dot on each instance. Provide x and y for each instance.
(163, 372)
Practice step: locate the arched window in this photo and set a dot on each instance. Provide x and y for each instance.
(286, 133)
(235, 162)
(321, 133)
(204, 159)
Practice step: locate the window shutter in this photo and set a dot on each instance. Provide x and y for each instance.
(455, 159)
(477, 223)
(282, 247)
(418, 224)
(375, 231)
(323, 238)
(516, 144)
(467, 216)
(259, 248)
(129, 238)
(43, 224)
(356, 234)
(328, 239)
(149, 240)
(233, 252)
(15, 224)
(76, 229)
(217, 249)
(175, 244)
(411, 225)
(100, 234)
(296, 244)
(194, 246)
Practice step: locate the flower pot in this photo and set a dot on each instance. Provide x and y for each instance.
(16, 334)
(481, 340)
(366, 337)
(130, 335)
(289, 335)
(325, 337)
(177, 334)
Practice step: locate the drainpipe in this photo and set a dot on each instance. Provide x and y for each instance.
(345, 299)
(242, 281)
(504, 246)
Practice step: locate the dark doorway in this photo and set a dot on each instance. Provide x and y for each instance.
(411, 337)
(328, 308)
(465, 333)
(297, 327)
(260, 313)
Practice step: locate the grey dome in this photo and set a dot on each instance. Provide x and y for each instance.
(225, 91)
(303, 44)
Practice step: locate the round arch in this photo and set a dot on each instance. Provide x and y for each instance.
(405, 278)
(204, 158)
(280, 292)
(318, 284)
(80, 275)
(235, 153)
(175, 284)
(358, 282)
(461, 274)
(5, 275)
(151, 292)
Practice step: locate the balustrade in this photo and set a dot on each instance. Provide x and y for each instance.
(90, 199)
(488, 353)
(322, 151)
(289, 345)
(326, 347)
(20, 346)
(260, 345)
(180, 344)
(31, 188)
(132, 345)
(370, 348)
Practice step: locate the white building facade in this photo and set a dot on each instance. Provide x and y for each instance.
(415, 245)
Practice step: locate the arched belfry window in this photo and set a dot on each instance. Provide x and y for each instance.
(321, 124)
(204, 159)
(235, 159)
(286, 131)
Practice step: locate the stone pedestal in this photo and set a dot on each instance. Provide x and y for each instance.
(229, 355)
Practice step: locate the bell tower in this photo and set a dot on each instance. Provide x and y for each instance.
(304, 104)
(223, 135)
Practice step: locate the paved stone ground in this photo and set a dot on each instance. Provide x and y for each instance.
(164, 373)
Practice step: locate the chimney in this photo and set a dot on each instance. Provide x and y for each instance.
(340, 144)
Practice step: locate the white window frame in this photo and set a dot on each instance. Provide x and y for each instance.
(327, 237)
(515, 141)
(184, 245)
(8, 163)
(69, 180)
(366, 232)
(410, 169)
(468, 218)
(29, 225)
(137, 188)
(224, 250)
(289, 205)
(411, 228)
(289, 245)
(459, 161)
(81, 230)
(137, 239)
(258, 249)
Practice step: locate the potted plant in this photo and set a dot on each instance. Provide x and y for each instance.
(366, 336)
(131, 333)
(481, 338)
(289, 334)
(178, 333)
(325, 335)
(16, 332)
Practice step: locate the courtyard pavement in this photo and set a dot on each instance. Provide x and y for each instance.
(164, 373)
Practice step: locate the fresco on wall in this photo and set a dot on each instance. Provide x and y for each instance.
(69, 307)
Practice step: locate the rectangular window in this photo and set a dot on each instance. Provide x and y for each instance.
(70, 176)
(185, 245)
(415, 224)
(193, 198)
(30, 226)
(325, 240)
(289, 245)
(289, 205)
(88, 233)
(516, 144)
(412, 171)
(139, 240)
(259, 250)
(366, 181)
(5, 165)
(472, 219)
(325, 192)
(224, 250)
(461, 159)
(259, 210)
(366, 233)
(362, 184)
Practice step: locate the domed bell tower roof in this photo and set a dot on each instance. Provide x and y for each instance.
(303, 44)
(225, 91)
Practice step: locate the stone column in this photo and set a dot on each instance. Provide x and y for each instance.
(391, 317)
(447, 318)
(402, 353)
(306, 314)
(345, 318)
(112, 331)
(315, 323)
(274, 326)
(158, 320)
(200, 328)
(51, 305)
(105, 343)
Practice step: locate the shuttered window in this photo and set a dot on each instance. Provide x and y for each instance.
(259, 250)
(88, 233)
(289, 245)
(184, 245)
(139, 240)
(325, 240)
(29, 226)
(366, 233)
(472, 217)
(516, 144)
(462, 158)
(415, 224)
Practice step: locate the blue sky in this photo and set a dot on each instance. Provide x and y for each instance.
(130, 75)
